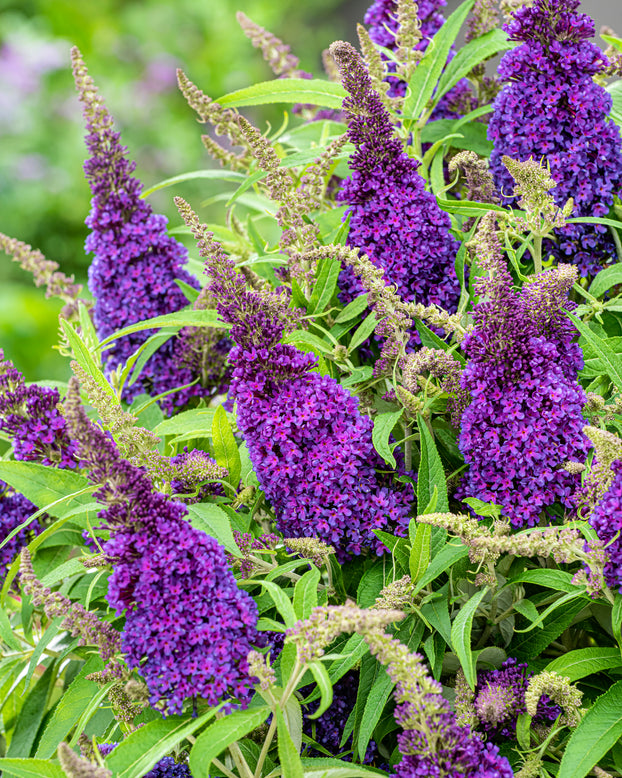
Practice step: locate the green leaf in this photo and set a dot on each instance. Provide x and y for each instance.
(363, 332)
(213, 740)
(307, 341)
(532, 644)
(327, 274)
(358, 375)
(326, 767)
(484, 508)
(322, 679)
(50, 633)
(31, 768)
(197, 421)
(32, 714)
(383, 426)
(585, 661)
(474, 52)
(436, 611)
(608, 277)
(280, 599)
(596, 734)
(69, 708)
(461, 636)
(353, 651)
(85, 359)
(225, 448)
(314, 91)
(432, 340)
(611, 360)
(211, 519)
(446, 557)
(551, 579)
(615, 90)
(218, 175)
(185, 318)
(420, 551)
(358, 305)
(141, 749)
(45, 486)
(429, 69)
(374, 707)
(370, 585)
(6, 632)
(289, 757)
(431, 473)
(305, 593)
(566, 598)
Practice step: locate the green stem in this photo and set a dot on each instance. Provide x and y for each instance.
(266, 746)
(225, 770)
(537, 253)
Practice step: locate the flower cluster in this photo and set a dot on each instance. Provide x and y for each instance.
(606, 519)
(524, 421)
(188, 628)
(432, 743)
(392, 218)
(384, 30)
(30, 415)
(136, 263)
(500, 698)
(14, 510)
(551, 107)
(310, 446)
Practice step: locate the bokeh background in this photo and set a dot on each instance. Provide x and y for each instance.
(132, 50)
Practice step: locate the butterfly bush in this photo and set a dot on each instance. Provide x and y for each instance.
(310, 446)
(524, 421)
(551, 108)
(187, 625)
(393, 219)
(14, 511)
(136, 263)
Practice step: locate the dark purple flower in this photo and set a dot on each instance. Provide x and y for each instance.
(392, 218)
(500, 699)
(188, 628)
(606, 519)
(132, 276)
(14, 510)
(310, 446)
(30, 415)
(524, 421)
(551, 108)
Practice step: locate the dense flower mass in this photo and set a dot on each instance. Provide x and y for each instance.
(606, 519)
(500, 700)
(188, 628)
(132, 276)
(14, 510)
(551, 108)
(30, 416)
(382, 18)
(392, 218)
(310, 447)
(525, 419)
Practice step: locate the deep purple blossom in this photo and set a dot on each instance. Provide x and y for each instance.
(524, 421)
(381, 17)
(30, 416)
(310, 446)
(14, 510)
(132, 276)
(500, 700)
(551, 108)
(392, 218)
(606, 519)
(447, 749)
(188, 628)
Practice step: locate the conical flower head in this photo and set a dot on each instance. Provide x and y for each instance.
(525, 419)
(550, 108)
(392, 218)
(310, 446)
(132, 276)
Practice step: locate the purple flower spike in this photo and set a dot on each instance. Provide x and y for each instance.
(524, 421)
(606, 519)
(136, 263)
(188, 628)
(551, 108)
(392, 218)
(14, 510)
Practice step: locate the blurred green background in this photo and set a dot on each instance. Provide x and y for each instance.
(132, 50)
